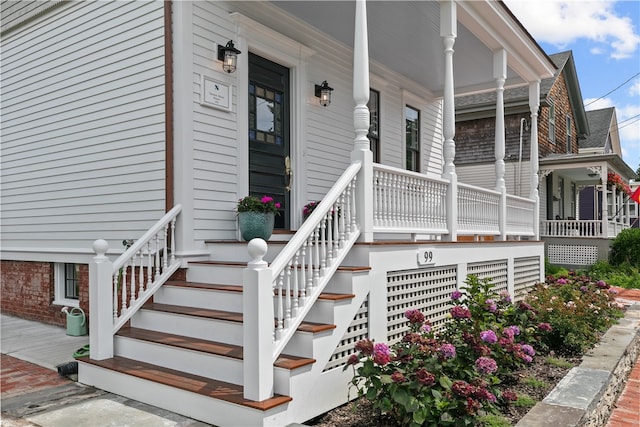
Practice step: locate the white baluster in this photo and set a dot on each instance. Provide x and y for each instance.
(303, 273)
(132, 288)
(287, 283)
(141, 273)
(149, 265)
(124, 288)
(280, 304)
(157, 258)
(116, 286)
(165, 248)
(173, 240)
(296, 286)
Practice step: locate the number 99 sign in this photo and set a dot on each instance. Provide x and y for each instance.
(426, 257)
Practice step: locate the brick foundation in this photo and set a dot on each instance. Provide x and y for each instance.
(28, 291)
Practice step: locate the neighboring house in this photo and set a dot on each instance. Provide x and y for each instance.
(576, 148)
(118, 123)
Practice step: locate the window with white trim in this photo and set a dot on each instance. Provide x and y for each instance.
(67, 284)
(412, 139)
(374, 120)
(568, 134)
(552, 122)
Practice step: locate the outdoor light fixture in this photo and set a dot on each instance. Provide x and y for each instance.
(228, 55)
(324, 93)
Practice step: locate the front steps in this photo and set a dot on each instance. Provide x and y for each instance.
(183, 351)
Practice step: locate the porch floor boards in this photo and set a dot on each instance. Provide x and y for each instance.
(193, 383)
(212, 347)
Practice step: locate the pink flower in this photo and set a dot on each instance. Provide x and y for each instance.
(486, 365)
(381, 354)
(562, 281)
(545, 327)
(459, 312)
(489, 337)
(266, 199)
(448, 351)
(461, 388)
(527, 349)
(455, 295)
(277, 205)
(397, 377)
(509, 396)
(365, 347)
(353, 359)
(414, 316)
(491, 305)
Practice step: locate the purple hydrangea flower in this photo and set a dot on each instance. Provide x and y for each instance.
(489, 337)
(486, 365)
(544, 327)
(527, 349)
(562, 281)
(426, 328)
(505, 297)
(455, 295)
(381, 354)
(491, 305)
(448, 351)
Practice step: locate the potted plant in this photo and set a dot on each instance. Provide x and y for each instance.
(256, 217)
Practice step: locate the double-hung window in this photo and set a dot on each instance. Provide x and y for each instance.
(412, 138)
(568, 134)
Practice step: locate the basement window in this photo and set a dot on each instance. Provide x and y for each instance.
(67, 284)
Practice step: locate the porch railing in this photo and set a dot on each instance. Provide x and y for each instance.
(520, 218)
(117, 290)
(571, 228)
(405, 201)
(478, 210)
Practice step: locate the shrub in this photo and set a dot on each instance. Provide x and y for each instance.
(624, 275)
(577, 309)
(626, 248)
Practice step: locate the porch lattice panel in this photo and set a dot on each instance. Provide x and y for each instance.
(525, 275)
(496, 271)
(428, 290)
(358, 330)
(572, 254)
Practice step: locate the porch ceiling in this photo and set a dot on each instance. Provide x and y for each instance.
(404, 36)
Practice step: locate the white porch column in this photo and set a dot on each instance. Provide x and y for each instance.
(605, 205)
(361, 146)
(101, 303)
(448, 32)
(534, 104)
(500, 74)
(627, 212)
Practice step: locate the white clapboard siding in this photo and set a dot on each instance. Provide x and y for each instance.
(328, 134)
(83, 125)
(484, 175)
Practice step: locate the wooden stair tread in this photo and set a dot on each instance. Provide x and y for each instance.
(225, 315)
(212, 347)
(244, 264)
(215, 389)
(238, 288)
(212, 286)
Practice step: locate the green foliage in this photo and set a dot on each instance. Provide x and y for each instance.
(253, 204)
(577, 309)
(558, 361)
(534, 382)
(554, 270)
(626, 248)
(454, 376)
(525, 401)
(494, 421)
(624, 275)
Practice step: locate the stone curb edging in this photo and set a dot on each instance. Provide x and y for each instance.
(586, 396)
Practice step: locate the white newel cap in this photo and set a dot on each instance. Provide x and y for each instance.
(100, 247)
(257, 249)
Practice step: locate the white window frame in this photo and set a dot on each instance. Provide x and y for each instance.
(552, 122)
(59, 276)
(569, 135)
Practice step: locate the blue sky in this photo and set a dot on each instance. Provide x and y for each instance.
(604, 36)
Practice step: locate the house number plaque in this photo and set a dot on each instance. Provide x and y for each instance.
(426, 257)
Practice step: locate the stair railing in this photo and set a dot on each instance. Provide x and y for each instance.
(303, 268)
(117, 290)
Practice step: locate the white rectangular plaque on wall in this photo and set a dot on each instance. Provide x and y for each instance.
(216, 94)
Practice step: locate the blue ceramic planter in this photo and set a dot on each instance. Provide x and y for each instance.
(255, 224)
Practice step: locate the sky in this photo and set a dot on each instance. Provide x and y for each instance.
(604, 37)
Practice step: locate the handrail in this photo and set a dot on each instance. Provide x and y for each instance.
(478, 210)
(304, 266)
(150, 263)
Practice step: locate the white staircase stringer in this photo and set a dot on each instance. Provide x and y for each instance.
(327, 389)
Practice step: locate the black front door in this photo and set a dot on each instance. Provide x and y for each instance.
(269, 173)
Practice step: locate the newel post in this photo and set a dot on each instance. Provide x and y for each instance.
(258, 324)
(101, 303)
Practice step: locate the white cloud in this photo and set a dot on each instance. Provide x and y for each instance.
(561, 23)
(635, 88)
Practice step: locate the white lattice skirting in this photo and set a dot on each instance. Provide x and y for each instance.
(572, 254)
